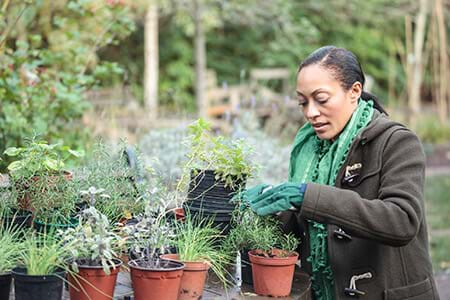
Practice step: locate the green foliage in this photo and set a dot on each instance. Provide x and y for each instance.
(197, 239)
(93, 241)
(48, 61)
(436, 202)
(151, 235)
(254, 232)
(109, 171)
(10, 249)
(43, 254)
(439, 246)
(38, 177)
(430, 130)
(38, 158)
(38, 99)
(228, 159)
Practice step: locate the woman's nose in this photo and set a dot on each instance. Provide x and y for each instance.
(311, 111)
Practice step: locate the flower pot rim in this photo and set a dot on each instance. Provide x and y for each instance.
(181, 266)
(21, 271)
(190, 265)
(116, 265)
(66, 225)
(291, 255)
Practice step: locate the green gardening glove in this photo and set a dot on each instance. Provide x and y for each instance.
(248, 195)
(279, 198)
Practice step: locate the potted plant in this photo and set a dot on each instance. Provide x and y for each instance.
(39, 177)
(151, 276)
(244, 223)
(10, 213)
(216, 169)
(272, 258)
(196, 241)
(106, 168)
(41, 271)
(9, 254)
(264, 251)
(94, 247)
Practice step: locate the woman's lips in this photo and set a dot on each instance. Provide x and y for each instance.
(319, 126)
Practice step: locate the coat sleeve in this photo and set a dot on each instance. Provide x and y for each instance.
(392, 219)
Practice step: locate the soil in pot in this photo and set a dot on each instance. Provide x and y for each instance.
(272, 276)
(5, 285)
(193, 279)
(91, 282)
(158, 279)
(37, 287)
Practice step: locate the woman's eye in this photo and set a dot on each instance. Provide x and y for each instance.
(322, 99)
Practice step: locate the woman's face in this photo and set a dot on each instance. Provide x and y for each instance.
(325, 104)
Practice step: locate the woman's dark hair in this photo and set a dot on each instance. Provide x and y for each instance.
(345, 68)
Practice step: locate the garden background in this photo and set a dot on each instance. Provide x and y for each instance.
(72, 71)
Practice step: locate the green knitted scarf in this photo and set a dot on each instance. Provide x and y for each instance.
(319, 161)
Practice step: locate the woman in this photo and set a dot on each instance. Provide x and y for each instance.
(356, 180)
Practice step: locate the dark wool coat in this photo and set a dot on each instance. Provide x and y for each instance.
(375, 216)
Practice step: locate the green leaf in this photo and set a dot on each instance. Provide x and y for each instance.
(15, 165)
(52, 164)
(79, 153)
(13, 151)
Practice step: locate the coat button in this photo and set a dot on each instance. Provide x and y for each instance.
(353, 292)
(341, 235)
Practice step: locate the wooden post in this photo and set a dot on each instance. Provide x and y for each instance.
(416, 62)
(200, 59)
(444, 92)
(151, 60)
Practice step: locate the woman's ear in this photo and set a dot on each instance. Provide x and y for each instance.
(355, 91)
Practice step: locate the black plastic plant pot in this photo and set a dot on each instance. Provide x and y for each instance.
(192, 205)
(5, 285)
(19, 218)
(41, 226)
(204, 180)
(37, 287)
(246, 267)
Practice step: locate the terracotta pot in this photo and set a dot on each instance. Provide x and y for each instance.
(91, 282)
(272, 276)
(179, 213)
(156, 283)
(194, 278)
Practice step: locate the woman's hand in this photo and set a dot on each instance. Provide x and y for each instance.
(248, 195)
(279, 198)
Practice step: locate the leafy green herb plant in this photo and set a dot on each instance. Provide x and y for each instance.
(228, 158)
(253, 232)
(39, 179)
(10, 249)
(198, 240)
(93, 242)
(151, 235)
(43, 254)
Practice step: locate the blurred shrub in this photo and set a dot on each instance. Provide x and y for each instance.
(430, 130)
(45, 70)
